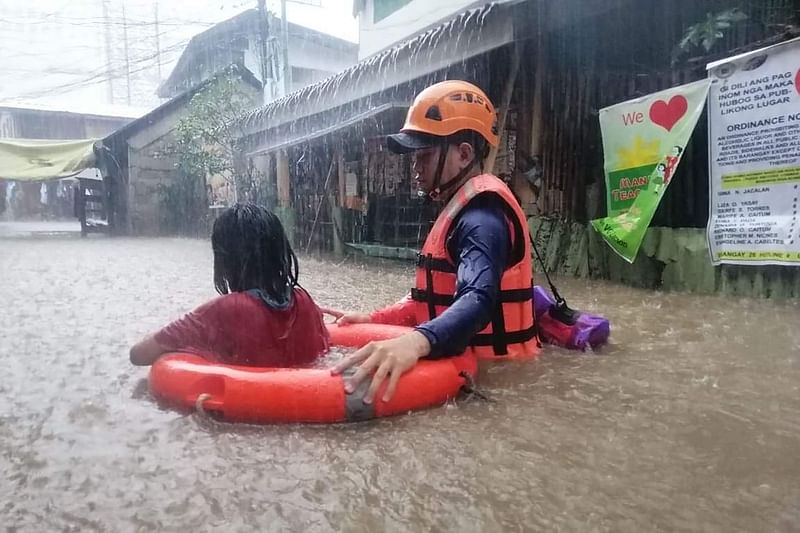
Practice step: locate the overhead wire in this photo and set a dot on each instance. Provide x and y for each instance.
(100, 75)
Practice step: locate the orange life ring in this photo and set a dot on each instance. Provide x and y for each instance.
(273, 395)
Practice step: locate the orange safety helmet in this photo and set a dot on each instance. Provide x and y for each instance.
(444, 109)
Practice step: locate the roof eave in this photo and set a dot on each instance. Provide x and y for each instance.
(476, 31)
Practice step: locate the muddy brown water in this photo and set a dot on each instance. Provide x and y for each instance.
(688, 421)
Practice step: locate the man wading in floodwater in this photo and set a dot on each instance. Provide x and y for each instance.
(473, 275)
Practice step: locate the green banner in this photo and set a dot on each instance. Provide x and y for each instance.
(643, 142)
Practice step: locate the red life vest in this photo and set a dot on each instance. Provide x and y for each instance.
(511, 334)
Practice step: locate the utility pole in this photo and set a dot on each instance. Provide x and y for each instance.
(263, 29)
(158, 40)
(109, 69)
(287, 70)
(127, 57)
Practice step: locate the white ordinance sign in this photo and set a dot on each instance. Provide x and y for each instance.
(754, 157)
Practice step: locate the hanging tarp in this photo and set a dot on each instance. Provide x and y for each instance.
(38, 160)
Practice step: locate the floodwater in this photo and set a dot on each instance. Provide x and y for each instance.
(688, 421)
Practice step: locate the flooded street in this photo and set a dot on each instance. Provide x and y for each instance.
(688, 421)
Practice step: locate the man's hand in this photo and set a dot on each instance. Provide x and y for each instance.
(391, 358)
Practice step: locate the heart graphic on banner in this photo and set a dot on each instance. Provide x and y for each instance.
(666, 114)
(797, 82)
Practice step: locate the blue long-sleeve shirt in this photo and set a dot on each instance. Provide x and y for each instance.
(480, 244)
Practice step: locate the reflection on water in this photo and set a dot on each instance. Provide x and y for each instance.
(689, 420)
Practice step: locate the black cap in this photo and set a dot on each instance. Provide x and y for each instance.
(407, 142)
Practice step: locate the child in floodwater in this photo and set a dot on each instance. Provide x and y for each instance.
(263, 316)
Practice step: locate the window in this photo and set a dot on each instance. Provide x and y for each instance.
(384, 8)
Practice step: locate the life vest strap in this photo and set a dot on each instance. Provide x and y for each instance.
(435, 264)
(425, 296)
(515, 295)
(510, 337)
(505, 296)
(499, 344)
(429, 285)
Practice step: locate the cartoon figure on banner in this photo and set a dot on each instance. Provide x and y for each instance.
(666, 169)
(672, 163)
(661, 177)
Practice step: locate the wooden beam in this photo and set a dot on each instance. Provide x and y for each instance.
(508, 91)
(284, 191)
(538, 94)
(339, 158)
(337, 209)
(319, 206)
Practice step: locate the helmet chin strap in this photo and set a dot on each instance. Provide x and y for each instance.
(438, 187)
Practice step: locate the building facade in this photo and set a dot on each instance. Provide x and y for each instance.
(30, 121)
(548, 67)
(255, 42)
(383, 23)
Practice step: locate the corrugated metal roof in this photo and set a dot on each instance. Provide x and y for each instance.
(290, 138)
(149, 118)
(470, 33)
(97, 110)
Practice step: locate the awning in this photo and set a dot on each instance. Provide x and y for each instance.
(304, 132)
(39, 159)
(469, 34)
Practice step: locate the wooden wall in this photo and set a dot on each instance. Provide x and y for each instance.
(569, 74)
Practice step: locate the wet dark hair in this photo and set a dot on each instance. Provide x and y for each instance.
(473, 138)
(251, 251)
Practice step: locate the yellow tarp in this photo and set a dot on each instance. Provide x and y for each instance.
(36, 160)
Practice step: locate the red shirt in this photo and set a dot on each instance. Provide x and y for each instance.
(240, 329)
